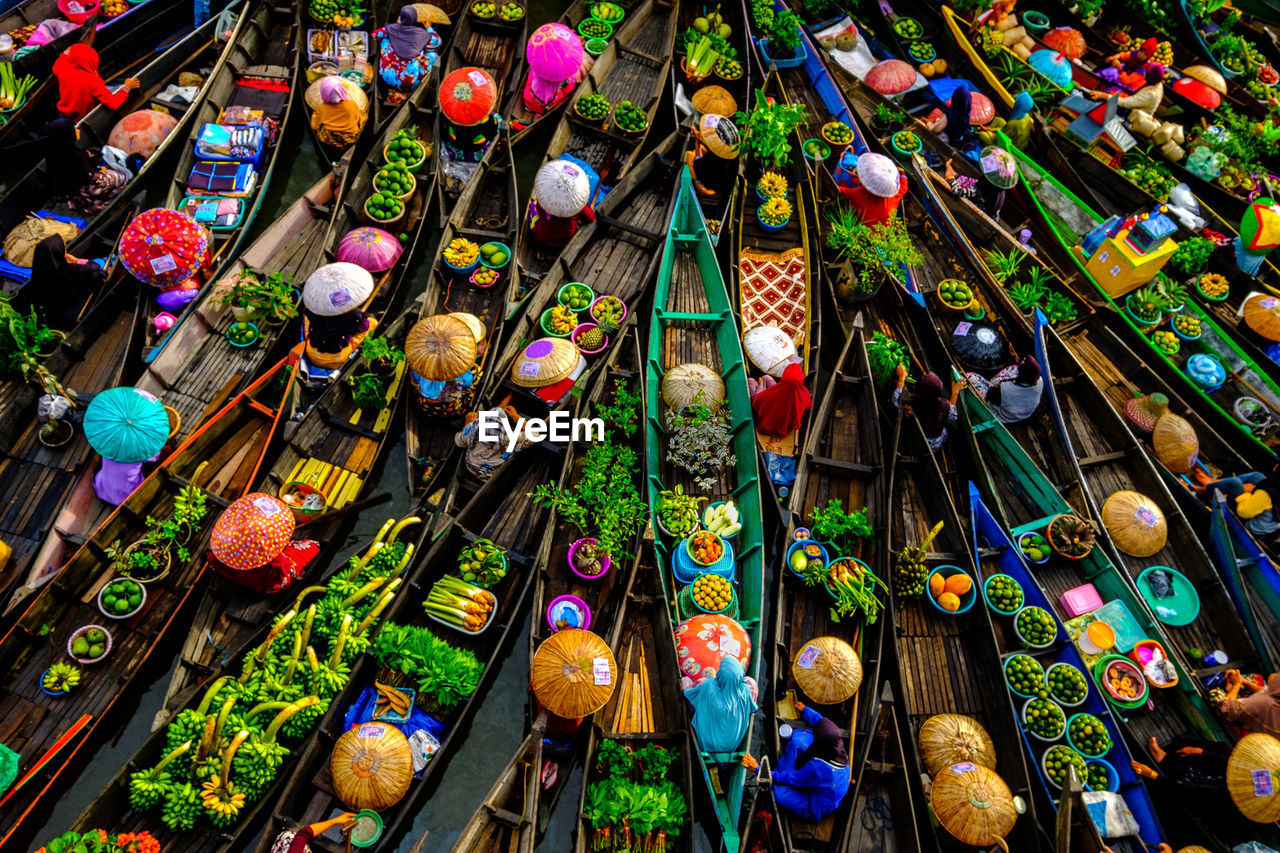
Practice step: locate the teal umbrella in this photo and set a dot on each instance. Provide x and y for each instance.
(126, 425)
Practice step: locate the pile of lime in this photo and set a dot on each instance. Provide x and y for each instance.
(1066, 683)
(1089, 736)
(1024, 675)
(483, 9)
(394, 179)
(405, 148)
(242, 334)
(1034, 547)
(629, 117)
(1004, 593)
(510, 11)
(593, 106)
(1058, 759)
(955, 292)
(1036, 626)
(122, 597)
(1043, 717)
(576, 297)
(384, 207)
(494, 255)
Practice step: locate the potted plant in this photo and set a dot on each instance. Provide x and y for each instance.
(905, 143)
(771, 185)
(60, 678)
(870, 253)
(24, 344)
(253, 297)
(774, 214)
(783, 45)
(1145, 305)
(1003, 265)
(1213, 286)
(368, 391)
(1071, 536)
(604, 505)
(1191, 256)
(700, 443)
(381, 355)
(886, 118)
(55, 432)
(766, 130)
(677, 513)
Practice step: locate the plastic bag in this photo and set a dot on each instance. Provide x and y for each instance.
(1252, 847)
(53, 407)
(1160, 582)
(1109, 814)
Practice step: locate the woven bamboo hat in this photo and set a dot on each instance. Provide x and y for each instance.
(1262, 314)
(714, 99)
(372, 766)
(827, 669)
(473, 322)
(573, 673)
(1175, 443)
(440, 347)
(720, 135)
(973, 804)
(686, 384)
(947, 739)
(1144, 411)
(1253, 774)
(1135, 523)
(545, 362)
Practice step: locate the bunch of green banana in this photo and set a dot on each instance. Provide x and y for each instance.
(147, 787)
(181, 807)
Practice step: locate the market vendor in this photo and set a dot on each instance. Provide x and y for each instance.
(560, 204)
(407, 51)
(1013, 394)
(930, 405)
(1194, 773)
(1248, 494)
(60, 283)
(722, 707)
(1148, 98)
(468, 105)
(779, 405)
(557, 63)
(958, 130)
(872, 183)
(999, 173)
(1128, 69)
(1018, 127)
(84, 182)
(812, 776)
(80, 88)
(443, 360)
(483, 458)
(714, 158)
(299, 840)
(337, 119)
(111, 417)
(334, 326)
(1258, 712)
(252, 544)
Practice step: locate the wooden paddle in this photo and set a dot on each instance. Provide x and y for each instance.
(57, 747)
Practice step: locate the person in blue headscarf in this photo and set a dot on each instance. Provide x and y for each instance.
(958, 130)
(722, 707)
(1018, 127)
(812, 776)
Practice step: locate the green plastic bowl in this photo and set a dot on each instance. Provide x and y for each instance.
(368, 828)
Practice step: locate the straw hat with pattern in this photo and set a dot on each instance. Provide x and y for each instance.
(1135, 523)
(1144, 411)
(714, 99)
(974, 804)
(372, 766)
(947, 739)
(827, 669)
(440, 348)
(573, 673)
(720, 135)
(1175, 443)
(686, 384)
(545, 362)
(1253, 777)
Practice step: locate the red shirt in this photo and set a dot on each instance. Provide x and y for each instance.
(872, 208)
(555, 232)
(79, 85)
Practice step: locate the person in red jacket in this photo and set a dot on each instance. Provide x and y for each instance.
(779, 405)
(555, 232)
(80, 87)
(276, 575)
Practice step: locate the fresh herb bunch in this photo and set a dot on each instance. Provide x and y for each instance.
(604, 504)
(767, 129)
(832, 525)
(889, 116)
(270, 298)
(620, 412)
(1058, 308)
(634, 806)
(1192, 255)
(368, 390)
(884, 355)
(1003, 265)
(1027, 295)
(784, 35)
(872, 249)
(380, 349)
(445, 674)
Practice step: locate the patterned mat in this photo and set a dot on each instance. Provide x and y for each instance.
(773, 292)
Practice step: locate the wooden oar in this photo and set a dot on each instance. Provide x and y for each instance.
(57, 747)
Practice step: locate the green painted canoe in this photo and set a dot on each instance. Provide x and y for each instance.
(692, 322)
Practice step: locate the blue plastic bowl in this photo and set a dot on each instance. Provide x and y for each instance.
(966, 600)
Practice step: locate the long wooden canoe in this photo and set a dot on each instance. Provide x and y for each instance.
(683, 88)
(883, 795)
(502, 513)
(375, 111)
(693, 322)
(112, 811)
(506, 819)
(843, 463)
(33, 720)
(39, 63)
(487, 211)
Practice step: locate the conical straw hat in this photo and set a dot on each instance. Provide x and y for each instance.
(720, 135)
(1262, 314)
(544, 362)
(473, 322)
(714, 99)
(372, 766)
(1135, 523)
(1176, 444)
(1144, 411)
(947, 739)
(1253, 774)
(973, 804)
(686, 384)
(336, 288)
(769, 348)
(440, 348)
(1207, 76)
(573, 673)
(827, 670)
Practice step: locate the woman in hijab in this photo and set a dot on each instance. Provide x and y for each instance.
(79, 86)
(1018, 127)
(483, 458)
(1128, 70)
(872, 183)
(714, 158)
(930, 405)
(1014, 394)
(958, 130)
(981, 191)
(722, 708)
(779, 405)
(337, 119)
(60, 283)
(812, 776)
(76, 177)
(407, 53)
(1258, 712)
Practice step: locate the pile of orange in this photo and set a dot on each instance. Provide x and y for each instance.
(706, 548)
(949, 592)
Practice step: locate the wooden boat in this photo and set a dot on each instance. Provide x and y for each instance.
(993, 538)
(842, 464)
(17, 121)
(640, 642)
(498, 48)
(1068, 220)
(505, 821)
(488, 210)
(222, 459)
(112, 811)
(617, 255)
(948, 663)
(502, 513)
(683, 87)
(767, 279)
(693, 322)
(375, 111)
(40, 479)
(199, 49)
(883, 801)
(334, 448)
(632, 68)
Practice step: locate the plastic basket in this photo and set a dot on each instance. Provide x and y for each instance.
(257, 334)
(1004, 669)
(303, 488)
(1077, 748)
(1018, 631)
(75, 635)
(119, 617)
(801, 543)
(987, 598)
(1026, 727)
(687, 571)
(688, 607)
(190, 200)
(1099, 676)
(966, 600)
(504, 248)
(560, 295)
(90, 8)
(1058, 699)
(1113, 778)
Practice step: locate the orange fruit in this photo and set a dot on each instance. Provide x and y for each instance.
(937, 585)
(958, 584)
(949, 601)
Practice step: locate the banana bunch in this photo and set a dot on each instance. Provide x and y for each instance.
(722, 519)
(391, 700)
(301, 723)
(909, 569)
(222, 801)
(146, 787)
(328, 678)
(256, 765)
(181, 807)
